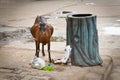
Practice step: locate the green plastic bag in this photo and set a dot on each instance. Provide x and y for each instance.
(48, 68)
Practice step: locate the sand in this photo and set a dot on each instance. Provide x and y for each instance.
(18, 50)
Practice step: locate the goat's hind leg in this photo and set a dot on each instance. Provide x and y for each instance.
(49, 52)
(37, 49)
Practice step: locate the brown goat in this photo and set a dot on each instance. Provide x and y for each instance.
(42, 32)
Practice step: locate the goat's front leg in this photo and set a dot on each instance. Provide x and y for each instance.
(49, 52)
(43, 53)
(37, 49)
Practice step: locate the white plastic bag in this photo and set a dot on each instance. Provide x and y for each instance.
(66, 55)
(38, 63)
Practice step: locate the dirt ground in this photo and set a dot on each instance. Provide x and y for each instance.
(17, 46)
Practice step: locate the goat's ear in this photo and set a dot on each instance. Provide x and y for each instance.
(37, 16)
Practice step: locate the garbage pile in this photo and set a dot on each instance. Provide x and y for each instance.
(40, 64)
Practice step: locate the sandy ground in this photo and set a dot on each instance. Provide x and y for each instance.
(18, 50)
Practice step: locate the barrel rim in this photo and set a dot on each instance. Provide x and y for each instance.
(80, 15)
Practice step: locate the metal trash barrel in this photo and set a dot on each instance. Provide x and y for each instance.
(82, 36)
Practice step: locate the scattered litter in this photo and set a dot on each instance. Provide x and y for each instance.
(48, 68)
(66, 56)
(38, 63)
